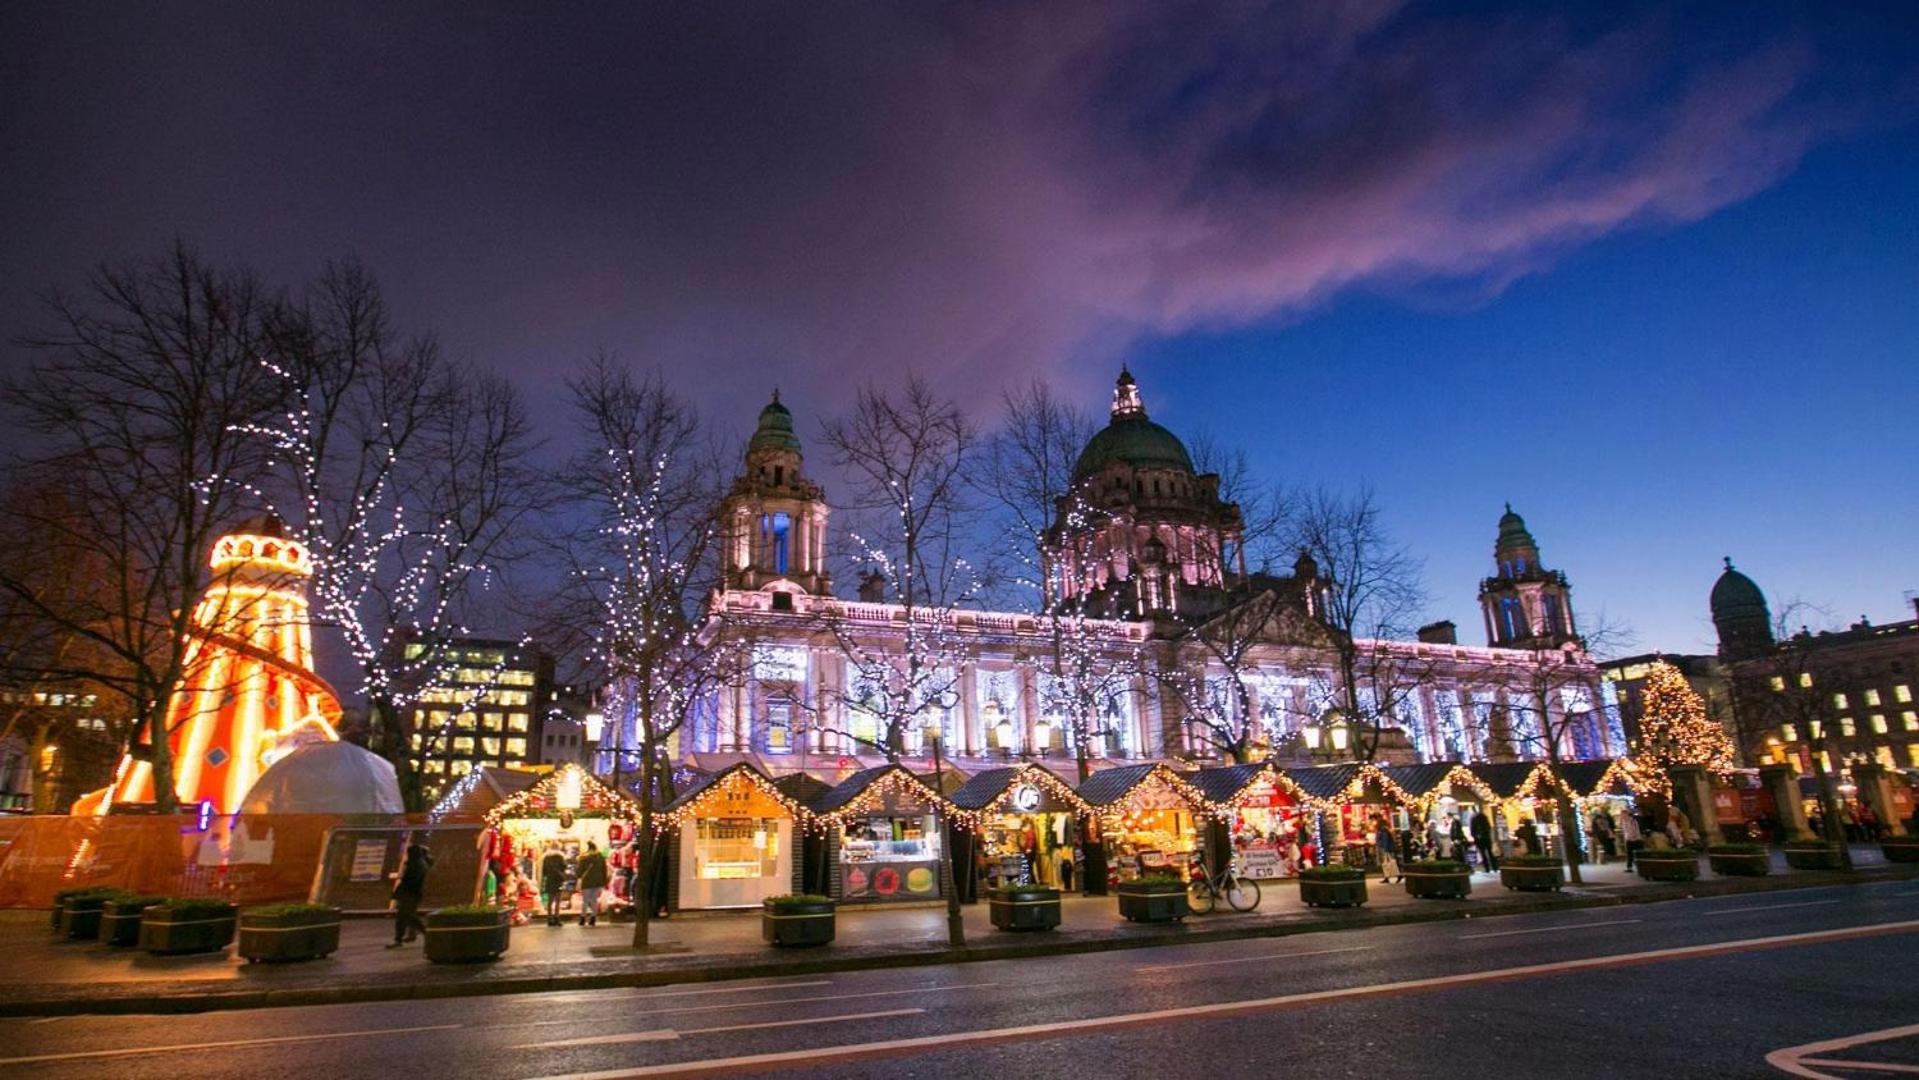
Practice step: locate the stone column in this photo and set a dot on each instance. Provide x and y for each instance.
(1692, 790)
(1028, 705)
(972, 740)
(1783, 782)
(1875, 789)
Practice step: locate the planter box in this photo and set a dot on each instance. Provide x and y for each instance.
(1314, 893)
(460, 940)
(1822, 857)
(1901, 849)
(1426, 885)
(1024, 909)
(78, 917)
(120, 922)
(288, 938)
(1153, 903)
(1757, 864)
(60, 903)
(162, 935)
(1532, 878)
(798, 926)
(1669, 867)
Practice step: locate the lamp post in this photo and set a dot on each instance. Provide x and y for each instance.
(1004, 731)
(1042, 737)
(955, 925)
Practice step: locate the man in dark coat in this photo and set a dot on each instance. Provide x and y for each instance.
(407, 924)
(1483, 840)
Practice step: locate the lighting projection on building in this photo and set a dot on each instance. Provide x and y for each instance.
(250, 695)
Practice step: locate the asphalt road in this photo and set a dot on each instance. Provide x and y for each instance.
(1704, 988)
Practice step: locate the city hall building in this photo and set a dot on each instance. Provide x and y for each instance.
(1148, 555)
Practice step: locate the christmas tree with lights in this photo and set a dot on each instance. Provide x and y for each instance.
(1674, 728)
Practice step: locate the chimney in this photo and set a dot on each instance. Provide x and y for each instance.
(872, 587)
(1442, 632)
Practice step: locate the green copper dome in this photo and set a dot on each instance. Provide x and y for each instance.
(1736, 597)
(1512, 531)
(1136, 441)
(776, 429)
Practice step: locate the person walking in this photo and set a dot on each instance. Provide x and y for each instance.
(593, 878)
(1388, 852)
(408, 892)
(552, 882)
(1528, 835)
(1456, 836)
(1630, 833)
(1482, 830)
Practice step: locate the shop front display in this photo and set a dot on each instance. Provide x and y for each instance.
(1149, 819)
(1264, 814)
(1447, 794)
(1368, 795)
(731, 841)
(1025, 824)
(1528, 793)
(883, 830)
(567, 811)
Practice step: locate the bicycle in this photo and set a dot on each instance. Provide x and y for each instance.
(1204, 892)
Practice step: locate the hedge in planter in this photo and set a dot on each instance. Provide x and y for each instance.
(187, 925)
(1739, 860)
(797, 921)
(1532, 873)
(467, 933)
(1023, 907)
(1903, 849)
(1438, 879)
(1154, 898)
(60, 900)
(1332, 886)
(78, 917)
(283, 933)
(1812, 855)
(1669, 864)
(120, 919)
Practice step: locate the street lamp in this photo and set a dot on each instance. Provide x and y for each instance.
(1004, 731)
(955, 925)
(1332, 730)
(1042, 737)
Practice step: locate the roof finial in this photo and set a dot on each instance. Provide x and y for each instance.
(1728, 559)
(1509, 506)
(1126, 400)
(776, 395)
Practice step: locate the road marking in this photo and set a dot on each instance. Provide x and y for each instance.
(81, 1055)
(1797, 1059)
(670, 1035)
(1550, 929)
(1076, 1028)
(756, 1004)
(1251, 959)
(1765, 907)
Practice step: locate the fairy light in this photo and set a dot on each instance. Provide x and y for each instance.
(1675, 729)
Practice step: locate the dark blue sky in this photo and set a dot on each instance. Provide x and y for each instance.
(1645, 273)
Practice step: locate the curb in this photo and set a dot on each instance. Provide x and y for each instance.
(179, 1002)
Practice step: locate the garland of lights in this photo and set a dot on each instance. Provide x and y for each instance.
(729, 781)
(1267, 771)
(1675, 730)
(527, 804)
(1369, 772)
(895, 781)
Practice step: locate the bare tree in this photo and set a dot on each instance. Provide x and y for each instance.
(905, 457)
(1368, 589)
(409, 479)
(646, 496)
(137, 396)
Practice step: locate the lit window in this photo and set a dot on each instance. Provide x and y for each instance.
(1818, 728)
(1839, 701)
(492, 721)
(1910, 719)
(1902, 693)
(434, 768)
(419, 742)
(1878, 723)
(1912, 754)
(516, 748)
(516, 721)
(490, 747)
(1778, 682)
(463, 744)
(1872, 697)
(1805, 678)
(1789, 732)
(1847, 728)
(1825, 761)
(460, 768)
(464, 721)
(1883, 755)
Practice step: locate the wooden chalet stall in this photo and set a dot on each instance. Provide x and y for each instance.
(1446, 791)
(1016, 823)
(1526, 791)
(883, 829)
(1149, 819)
(732, 841)
(1256, 814)
(1353, 794)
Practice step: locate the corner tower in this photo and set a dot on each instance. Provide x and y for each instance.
(1526, 605)
(775, 517)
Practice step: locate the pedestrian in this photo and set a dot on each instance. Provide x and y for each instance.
(1066, 870)
(1456, 837)
(552, 882)
(1630, 833)
(1679, 828)
(1608, 838)
(1868, 824)
(1388, 852)
(1483, 840)
(1594, 851)
(1435, 840)
(410, 889)
(1528, 835)
(593, 878)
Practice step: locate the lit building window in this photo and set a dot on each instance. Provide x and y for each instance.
(1902, 693)
(1910, 719)
(1825, 761)
(1847, 728)
(490, 747)
(1883, 755)
(516, 722)
(460, 768)
(1912, 754)
(1818, 728)
(1805, 678)
(463, 744)
(1872, 697)
(1789, 732)
(492, 721)
(516, 748)
(1778, 682)
(1878, 723)
(1839, 701)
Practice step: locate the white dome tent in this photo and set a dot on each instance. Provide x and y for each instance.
(326, 778)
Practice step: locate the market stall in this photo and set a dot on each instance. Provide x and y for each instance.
(1021, 822)
(1447, 792)
(1149, 819)
(567, 809)
(882, 829)
(731, 841)
(1609, 788)
(1261, 811)
(1354, 795)
(1526, 791)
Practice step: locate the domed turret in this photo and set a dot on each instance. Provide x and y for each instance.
(775, 431)
(1740, 615)
(1525, 604)
(1512, 532)
(1131, 438)
(776, 517)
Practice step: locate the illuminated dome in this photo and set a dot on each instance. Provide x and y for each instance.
(1131, 438)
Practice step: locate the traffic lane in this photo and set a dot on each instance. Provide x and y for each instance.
(1068, 986)
(1714, 1016)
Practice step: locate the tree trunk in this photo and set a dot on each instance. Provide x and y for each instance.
(643, 875)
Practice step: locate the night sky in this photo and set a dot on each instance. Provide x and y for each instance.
(1649, 276)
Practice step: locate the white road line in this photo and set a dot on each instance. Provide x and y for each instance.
(670, 1035)
(1765, 907)
(755, 1004)
(615, 993)
(1866, 1066)
(1251, 959)
(1550, 929)
(1796, 1059)
(81, 1055)
(815, 1056)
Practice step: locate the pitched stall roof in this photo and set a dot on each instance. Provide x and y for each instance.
(802, 787)
(1518, 779)
(1224, 784)
(490, 786)
(1110, 787)
(541, 797)
(729, 778)
(856, 793)
(1606, 776)
(989, 786)
(1324, 782)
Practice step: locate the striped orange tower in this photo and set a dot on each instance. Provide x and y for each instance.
(250, 695)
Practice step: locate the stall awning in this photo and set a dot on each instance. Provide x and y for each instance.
(727, 784)
(989, 787)
(867, 789)
(1110, 788)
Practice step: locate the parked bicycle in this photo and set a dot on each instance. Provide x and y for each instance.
(1205, 891)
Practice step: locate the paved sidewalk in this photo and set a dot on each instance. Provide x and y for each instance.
(49, 978)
